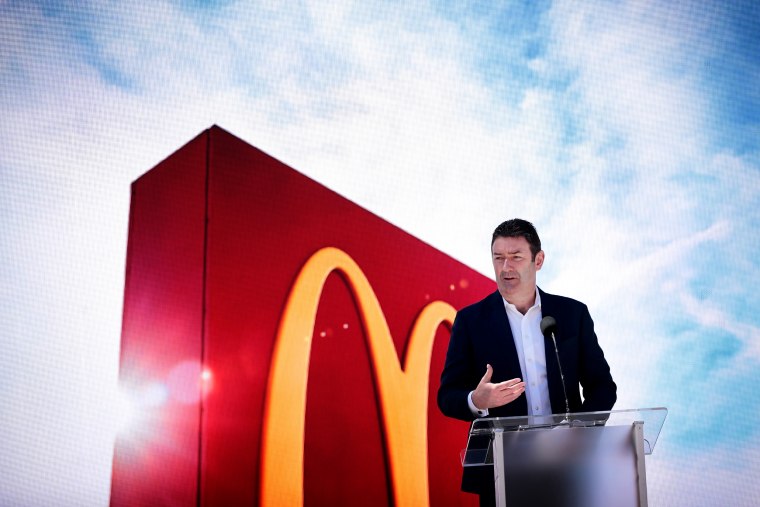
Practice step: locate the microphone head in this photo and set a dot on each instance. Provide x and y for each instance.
(548, 325)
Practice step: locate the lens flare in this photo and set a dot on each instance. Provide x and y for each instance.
(125, 413)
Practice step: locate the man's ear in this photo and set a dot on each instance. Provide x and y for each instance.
(539, 260)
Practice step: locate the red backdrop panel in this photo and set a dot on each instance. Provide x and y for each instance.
(218, 233)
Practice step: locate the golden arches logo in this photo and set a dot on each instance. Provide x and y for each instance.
(403, 391)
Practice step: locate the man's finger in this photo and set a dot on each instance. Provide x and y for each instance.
(513, 382)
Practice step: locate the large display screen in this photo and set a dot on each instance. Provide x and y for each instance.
(627, 132)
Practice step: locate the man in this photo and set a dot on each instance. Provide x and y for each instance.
(499, 364)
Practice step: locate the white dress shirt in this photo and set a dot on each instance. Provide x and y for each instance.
(529, 342)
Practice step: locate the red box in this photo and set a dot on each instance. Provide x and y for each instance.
(254, 346)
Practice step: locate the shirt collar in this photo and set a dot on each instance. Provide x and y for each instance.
(510, 307)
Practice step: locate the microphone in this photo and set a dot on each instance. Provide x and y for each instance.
(548, 327)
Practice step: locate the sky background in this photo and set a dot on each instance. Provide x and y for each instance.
(627, 132)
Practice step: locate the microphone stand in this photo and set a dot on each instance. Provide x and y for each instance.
(566, 420)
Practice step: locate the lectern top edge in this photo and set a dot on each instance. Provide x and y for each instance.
(652, 419)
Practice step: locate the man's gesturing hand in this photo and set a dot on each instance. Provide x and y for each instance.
(488, 395)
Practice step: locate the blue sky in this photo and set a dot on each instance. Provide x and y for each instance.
(628, 132)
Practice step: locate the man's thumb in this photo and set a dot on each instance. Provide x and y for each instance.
(487, 377)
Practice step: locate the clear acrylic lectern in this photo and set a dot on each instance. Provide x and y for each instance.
(588, 459)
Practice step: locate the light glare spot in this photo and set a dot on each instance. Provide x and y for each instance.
(125, 412)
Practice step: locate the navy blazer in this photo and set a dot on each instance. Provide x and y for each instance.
(481, 335)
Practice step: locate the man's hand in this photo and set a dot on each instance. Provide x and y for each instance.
(488, 395)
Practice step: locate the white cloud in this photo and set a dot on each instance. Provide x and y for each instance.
(703, 479)
(711, 315)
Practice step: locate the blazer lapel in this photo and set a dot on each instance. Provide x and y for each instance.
(502, 351)
(505, 363)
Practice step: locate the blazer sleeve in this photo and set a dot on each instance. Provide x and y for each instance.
(599, 390)
(457, 377)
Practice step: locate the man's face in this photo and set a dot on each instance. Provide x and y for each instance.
(514, 270)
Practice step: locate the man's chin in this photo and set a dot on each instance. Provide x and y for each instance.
(507, 289)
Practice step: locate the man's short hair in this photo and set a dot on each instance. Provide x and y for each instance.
(516, 228)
